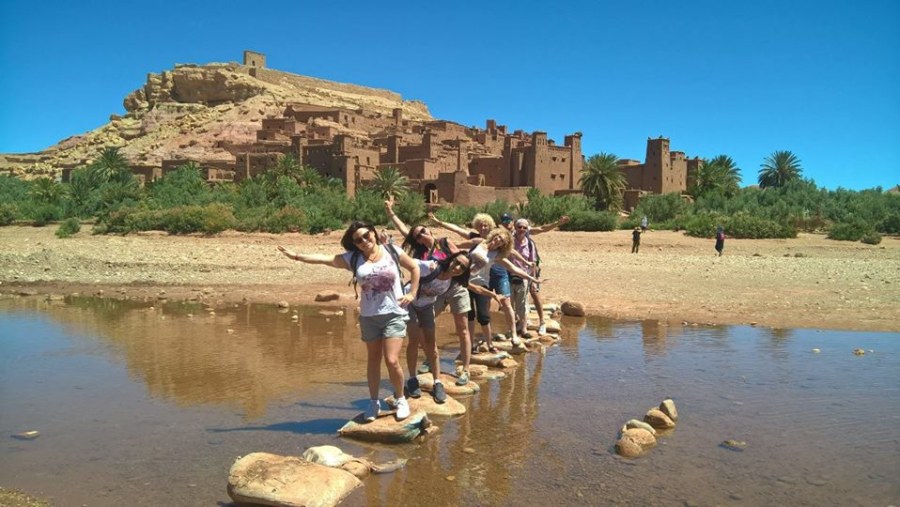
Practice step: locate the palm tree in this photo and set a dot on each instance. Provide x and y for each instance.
(718, 173)
(389, 182)
(603, 181)
(112, 166)
(45, 190)
(779, 168)
(286, 165)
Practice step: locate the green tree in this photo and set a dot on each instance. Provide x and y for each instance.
(388, 182)
(45, 191)
(111, 166)
(287, 166)
(602, 181)
(718, 173)
(779, 168)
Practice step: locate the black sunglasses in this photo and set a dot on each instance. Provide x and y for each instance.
(362, 237)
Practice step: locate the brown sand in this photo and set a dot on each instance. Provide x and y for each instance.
(809, 281)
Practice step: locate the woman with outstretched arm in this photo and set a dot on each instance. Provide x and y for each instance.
(382, 312)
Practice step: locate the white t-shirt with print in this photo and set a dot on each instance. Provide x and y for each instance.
(379, 284)
(428, 292)
(482, 259)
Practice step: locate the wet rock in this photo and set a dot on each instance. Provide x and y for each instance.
(668, 407)
(269, 479)
(572, 309)
(490, 359)
(658, 419)
(734, 445)
(426, 403)
(283, 304)
(634, 423)
(334, 457)
(27, 435)
(859, 352)
(643, 437)
(426, 382)
(327, 296)
(386, 429)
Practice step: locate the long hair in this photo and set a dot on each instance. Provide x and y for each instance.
(347, 239)
(411, 243)
(507, 240)
(462, 278)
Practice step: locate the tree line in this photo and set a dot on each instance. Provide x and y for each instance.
(289, 197)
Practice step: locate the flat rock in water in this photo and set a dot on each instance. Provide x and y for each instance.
(489, 358)
(426, 403)
(386, 429)
(269, 479)
(658, 419)
(573, 309)
(426, 382)
(327, 296)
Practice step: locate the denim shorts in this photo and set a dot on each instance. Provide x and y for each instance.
(499, 280)
(379, 327)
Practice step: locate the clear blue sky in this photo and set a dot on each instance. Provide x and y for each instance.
(818, 78)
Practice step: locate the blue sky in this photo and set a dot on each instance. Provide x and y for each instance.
(818, 78)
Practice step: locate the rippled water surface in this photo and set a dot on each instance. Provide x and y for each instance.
(140, 405)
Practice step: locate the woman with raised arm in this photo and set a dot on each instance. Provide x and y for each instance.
(422, 245)
(382, 307)
(535, 288)
(495, 248)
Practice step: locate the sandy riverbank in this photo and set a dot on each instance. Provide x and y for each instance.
(809, 281)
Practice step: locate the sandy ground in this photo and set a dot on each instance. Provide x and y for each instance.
(807, 282)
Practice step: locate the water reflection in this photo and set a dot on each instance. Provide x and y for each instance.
(221, 382)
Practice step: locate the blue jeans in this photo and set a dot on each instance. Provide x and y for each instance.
(499, 280)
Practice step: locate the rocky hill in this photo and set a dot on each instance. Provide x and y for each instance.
(192, 111)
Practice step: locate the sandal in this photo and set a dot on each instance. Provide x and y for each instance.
(493, 350)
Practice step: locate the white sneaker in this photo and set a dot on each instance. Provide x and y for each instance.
(373, 410)
(402, 409)
(542, 329)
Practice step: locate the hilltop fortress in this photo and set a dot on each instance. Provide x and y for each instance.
(235, 120)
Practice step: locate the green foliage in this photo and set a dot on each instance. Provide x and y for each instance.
(496, 209)
(602, 181)
(889, 224)
(368, 206)
(209, 219)
(591, 221)
(704, 224)
(287, 219)
(8, 213)
(389, 182)
(410, 208)
(541, 209)
(111, 166)
(45, 191)
(182, 187)
(43, 214)
(68, 227)
(871, 238)
(849, 231)
(744, 225)
(779, 168)
(661, 208)
(720, 174)
(460, 215)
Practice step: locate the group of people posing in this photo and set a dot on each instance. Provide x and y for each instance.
(489, 263)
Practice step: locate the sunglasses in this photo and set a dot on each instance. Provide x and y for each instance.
(522, 227)
(421, 232)
(366, 236)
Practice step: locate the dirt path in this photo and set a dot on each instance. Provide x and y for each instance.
(805, 282)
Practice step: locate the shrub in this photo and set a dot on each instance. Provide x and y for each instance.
(871, 238)
(8, 212)
(847, 231)
(68, 227)
(659, 208)
(459, 215)
(744, 225)
(703, 225)
(287, 219)
(591, 221)
(890, 224)
(542, 209)
(209, 219)
(43, 214)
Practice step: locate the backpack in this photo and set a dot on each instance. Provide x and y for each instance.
(354, 263)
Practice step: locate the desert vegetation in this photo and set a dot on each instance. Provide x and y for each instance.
(293, 198)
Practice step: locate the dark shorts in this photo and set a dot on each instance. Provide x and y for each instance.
(422, 317)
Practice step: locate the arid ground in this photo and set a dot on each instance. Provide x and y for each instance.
(807, 282)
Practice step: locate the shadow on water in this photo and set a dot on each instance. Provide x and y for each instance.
(128, 396)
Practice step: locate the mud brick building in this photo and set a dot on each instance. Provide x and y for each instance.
(663, 171)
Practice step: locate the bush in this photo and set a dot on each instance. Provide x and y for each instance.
(287, 219)
(848, 231)
(542, 209)
(591, 221)
(459, 215)
(209, 219)
(871, 238)
(703, 225)
(659, 208)
(744, 225)
(43, 214)
(68, 227)
(8, 212)
(890, 224)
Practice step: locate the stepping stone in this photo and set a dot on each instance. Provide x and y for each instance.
(261, 478)
(386, 429)
(426, 382)
(426, 403)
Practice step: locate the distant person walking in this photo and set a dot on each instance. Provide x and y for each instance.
(635, 240)
(645, 224)
(720, 240)
(382, 307)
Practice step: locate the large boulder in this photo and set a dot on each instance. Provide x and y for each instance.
(668, 407)
(573, 309)
(261, 478)
(634, 442)
(386, 429)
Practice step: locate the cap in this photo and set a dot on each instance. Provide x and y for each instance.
(506, 218)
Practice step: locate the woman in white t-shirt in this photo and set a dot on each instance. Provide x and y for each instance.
(382, 305)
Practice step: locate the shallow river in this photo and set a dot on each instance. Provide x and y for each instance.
(139, 405)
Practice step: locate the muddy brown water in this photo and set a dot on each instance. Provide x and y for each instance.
(149, 405)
